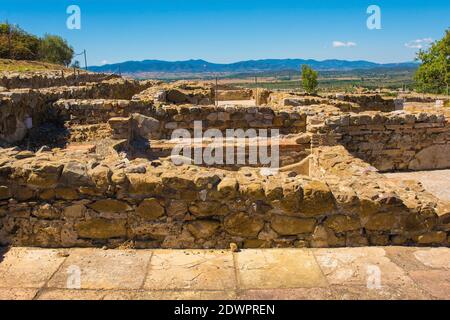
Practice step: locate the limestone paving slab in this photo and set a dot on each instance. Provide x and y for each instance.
(170, 295)
(17, 294)
(435, 282)
(404, 258)
(322, 293)
(70, 294)
(359, 266)
(191, 270)
(436, 258)
(358, 292)
(278, 268)
(298, 274)
(414, 259)
(103, 269)
(28, 267)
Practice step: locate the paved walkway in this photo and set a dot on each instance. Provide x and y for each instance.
(344, 273)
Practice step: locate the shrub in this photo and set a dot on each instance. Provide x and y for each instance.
(17, 44)
(55, 49)
(309, 79)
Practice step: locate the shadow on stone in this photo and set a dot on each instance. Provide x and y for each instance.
(3, 251)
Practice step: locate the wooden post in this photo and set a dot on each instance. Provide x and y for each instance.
(216, 102)
(256, 90)
(85, 60)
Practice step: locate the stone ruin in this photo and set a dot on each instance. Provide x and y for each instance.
(87, 161)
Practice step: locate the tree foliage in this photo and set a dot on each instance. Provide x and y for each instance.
(17, 44)
(55, 49)
(309, 79)
(433, 75)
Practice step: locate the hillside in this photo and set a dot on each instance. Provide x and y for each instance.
(250, 66)
(27, 66)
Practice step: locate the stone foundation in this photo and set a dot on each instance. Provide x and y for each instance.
(23, 109)
(113, 184)
(75, 199)
(38, 80)
(391, 141)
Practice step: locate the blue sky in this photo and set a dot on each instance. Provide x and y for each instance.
(233, 30)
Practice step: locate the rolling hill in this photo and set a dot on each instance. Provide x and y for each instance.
(250, 66)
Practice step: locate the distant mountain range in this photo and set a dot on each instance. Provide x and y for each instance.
(250, 66)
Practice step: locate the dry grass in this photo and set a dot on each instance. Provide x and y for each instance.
(27, 66)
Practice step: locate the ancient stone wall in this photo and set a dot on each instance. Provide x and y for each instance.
(230, 117)
(93, 111)
(390, 212)
(97, 194)
(234, 154)
(21, 109)
(174, 117)
(36, 80)
(341, 102)
(179, 92)
(66, 199)
(390, 141)
(235, 94)
(368, 102)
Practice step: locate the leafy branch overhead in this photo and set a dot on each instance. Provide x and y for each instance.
(433, 75)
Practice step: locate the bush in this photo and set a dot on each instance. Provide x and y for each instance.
(17, 44)
(309, 79)
(55, 49)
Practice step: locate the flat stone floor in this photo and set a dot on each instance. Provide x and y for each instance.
(342, 273)
(436, 182)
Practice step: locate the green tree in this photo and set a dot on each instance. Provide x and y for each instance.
(55, 49)
(433, 75)
(17, 44)
(309, 79)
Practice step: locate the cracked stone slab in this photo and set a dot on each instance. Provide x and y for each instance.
(28, 267)
(404, 258)
(170, 295)
(435, 282)
(288, 294)
(358, 292)
(71, 294)
(278, 268)
(103, 269)
(361, 266)
(191, 270)
(17, 294)
(436, 258)
(413, 259)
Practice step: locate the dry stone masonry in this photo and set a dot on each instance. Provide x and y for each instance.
(392, 141)
(110, 179)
